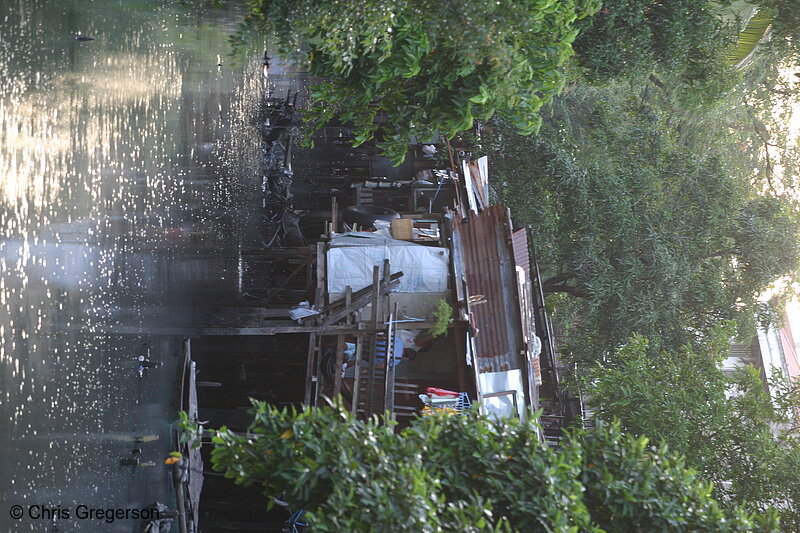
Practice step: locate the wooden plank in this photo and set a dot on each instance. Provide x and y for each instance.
(358, 304)
(334, 215)
(386, 278)
(265, 312)
(373, 339)
(348, 301)
(299, 251)
(234, 331)
(319, 303)
(357, 373)
(318, 295)
(264, 331)
(471, 352)
(414, 325)
(337, 376)
(320, 378)
(388, 400)
(312, 343)
(366, 290)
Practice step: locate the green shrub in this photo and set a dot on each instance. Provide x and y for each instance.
(442, 318)
(467, 473)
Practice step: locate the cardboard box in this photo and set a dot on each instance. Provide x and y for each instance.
(402, 229)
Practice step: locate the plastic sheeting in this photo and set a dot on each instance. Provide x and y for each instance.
(352, 256)
(510, 404)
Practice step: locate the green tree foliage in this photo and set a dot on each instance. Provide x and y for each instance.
(648, 227)
(785, 35)
(442, 318)
(750, 37)
(468, 474)
(692, 44)
(400, 68)
(722, 424)
(628, 38)
(752, 128)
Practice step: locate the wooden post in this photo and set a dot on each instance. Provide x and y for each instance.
(320, 293)
(388, 398)
(357, 373)
(180, 497)
(386, 278)
(318, 374)
(334, 215)
(348, 299)
(373, 338)
(311, 379)
(337, 376)
(319, 302)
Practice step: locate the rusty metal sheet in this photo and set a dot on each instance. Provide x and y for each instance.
(489, 267)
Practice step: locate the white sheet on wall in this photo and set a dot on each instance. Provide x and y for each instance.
(507, 405)
(352, 256)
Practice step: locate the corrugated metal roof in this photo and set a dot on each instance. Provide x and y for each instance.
(790, 353)
(519, 243)
(488, 264)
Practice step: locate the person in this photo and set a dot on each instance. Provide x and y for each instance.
(133, 460)
(408, 354)
(415, 339)
(398, 356)
(401, 353)
(144, 362)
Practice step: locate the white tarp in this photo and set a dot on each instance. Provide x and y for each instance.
(503, 405)
(352, 256)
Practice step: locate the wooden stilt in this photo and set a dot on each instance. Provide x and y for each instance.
(357, 372)
(311, 379)
(348, 301)
(373, 339)
(337, 375)
(334, 215)
(388, 397)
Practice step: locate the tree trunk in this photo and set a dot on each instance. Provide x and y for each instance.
(556, 280)
(559, 284)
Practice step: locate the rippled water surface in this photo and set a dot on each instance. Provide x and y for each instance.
(123, 160)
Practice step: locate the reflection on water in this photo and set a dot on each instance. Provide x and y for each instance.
(122, 161)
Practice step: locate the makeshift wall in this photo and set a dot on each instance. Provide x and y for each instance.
(352, 256)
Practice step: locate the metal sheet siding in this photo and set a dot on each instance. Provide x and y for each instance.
(490, 271)
(519, 242)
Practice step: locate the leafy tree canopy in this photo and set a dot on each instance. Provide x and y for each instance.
(690, 41)
(648, 227)
(400, 68)
(722, 424)
(468, 474)
(785, 27)
(687, 38)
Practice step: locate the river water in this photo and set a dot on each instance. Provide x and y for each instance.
(127, 165)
